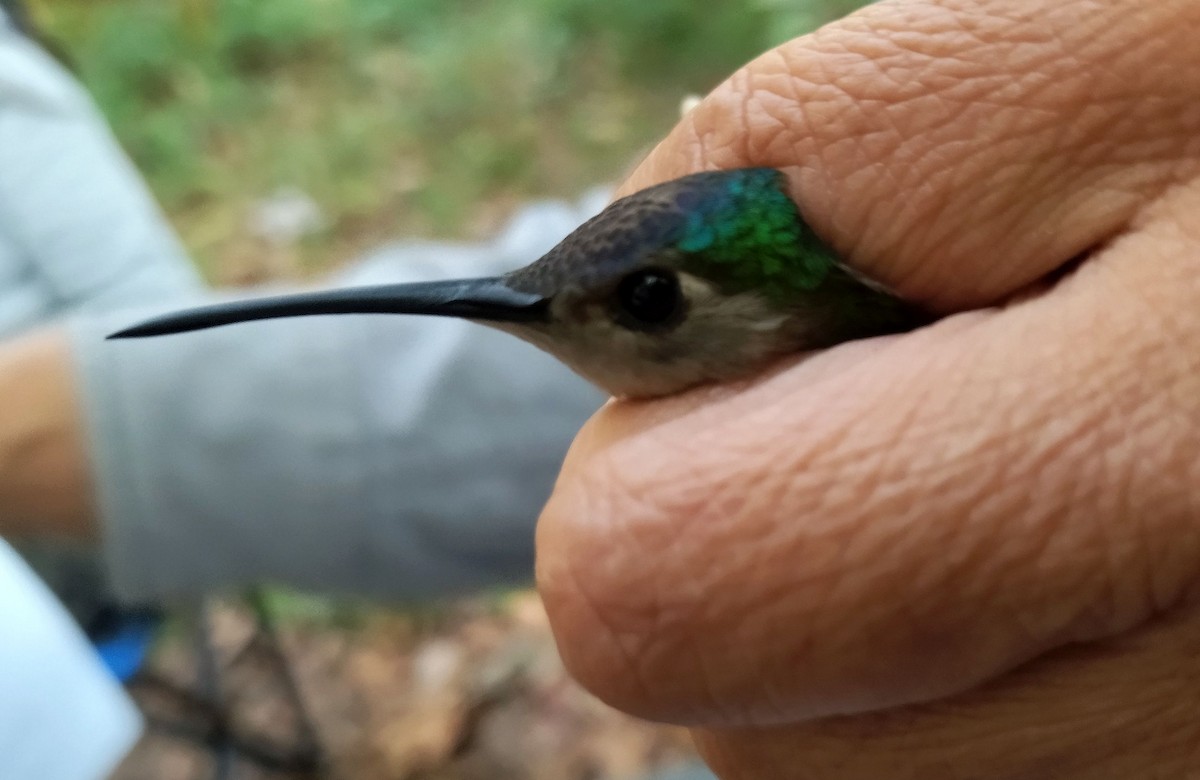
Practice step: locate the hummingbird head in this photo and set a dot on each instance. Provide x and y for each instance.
(703, 279)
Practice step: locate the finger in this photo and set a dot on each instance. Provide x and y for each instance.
(895, 522)
(960, 149)
(1110, 711)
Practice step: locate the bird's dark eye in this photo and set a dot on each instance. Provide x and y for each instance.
(649, 298)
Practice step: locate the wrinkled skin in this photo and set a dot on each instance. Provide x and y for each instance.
(966, 552)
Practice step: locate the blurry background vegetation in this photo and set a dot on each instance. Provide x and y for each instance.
(397, 117)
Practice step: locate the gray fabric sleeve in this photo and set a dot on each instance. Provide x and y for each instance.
(72, 208)
(395, 457)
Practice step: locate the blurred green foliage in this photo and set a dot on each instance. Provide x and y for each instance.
(399, 117)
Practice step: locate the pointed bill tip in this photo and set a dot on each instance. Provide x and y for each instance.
(158, 326)
(153, 327)
(196, 319)
(136, 332)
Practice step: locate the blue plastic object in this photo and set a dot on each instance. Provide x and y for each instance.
(123, 638)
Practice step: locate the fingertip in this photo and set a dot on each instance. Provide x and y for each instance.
(593, 546)
(647, 540)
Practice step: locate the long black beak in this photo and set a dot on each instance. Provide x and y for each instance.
(488, 299)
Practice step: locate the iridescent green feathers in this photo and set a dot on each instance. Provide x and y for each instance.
(744, 229)
(736, 228)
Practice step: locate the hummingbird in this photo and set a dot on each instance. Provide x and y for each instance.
(704, 279)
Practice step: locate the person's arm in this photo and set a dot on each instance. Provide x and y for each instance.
(395, 457)
(966, 552)
(401, 457)
(45, 482)
(398, 457)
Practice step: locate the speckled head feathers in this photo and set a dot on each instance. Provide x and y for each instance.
(736, 228)
(700, 279)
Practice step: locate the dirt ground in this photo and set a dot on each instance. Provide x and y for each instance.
(476, 691)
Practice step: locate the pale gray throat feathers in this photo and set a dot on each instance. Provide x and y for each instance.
(722, 337)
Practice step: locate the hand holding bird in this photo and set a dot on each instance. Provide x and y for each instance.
(975, 543)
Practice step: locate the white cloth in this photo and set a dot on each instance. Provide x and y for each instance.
(62, 715)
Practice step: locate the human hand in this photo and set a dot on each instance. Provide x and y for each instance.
(965, 552)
